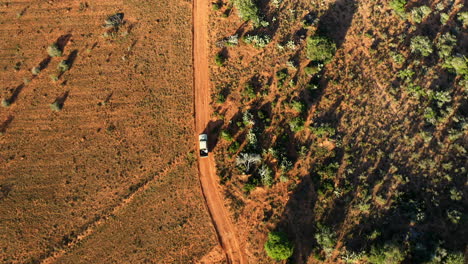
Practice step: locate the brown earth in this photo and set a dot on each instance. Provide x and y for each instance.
(112, 176)
(208, 178)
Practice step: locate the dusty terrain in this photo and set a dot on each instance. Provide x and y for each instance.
(226, 232)
(112, 176)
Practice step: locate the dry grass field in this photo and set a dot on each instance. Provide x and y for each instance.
(111, 177)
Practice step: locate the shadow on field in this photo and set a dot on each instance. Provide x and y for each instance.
(5, 124)
(15, 94)
(60, 101)
(62, 41)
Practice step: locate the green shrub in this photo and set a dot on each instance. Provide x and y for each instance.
(329, 171)
(54, 50)
(281, 76)
(249, 187)
(220, 98)
(266, 175)
(258, 41)
(56, 106)
(405, 74)
(324, 130)
(463, 18)
(234, 147)
(6, 102)
(219, 59)
(388, 254)
(430, 115)
(445, 45)
(399, 7)
(320, 49)
(115, 20)
(36, 70)
(53, 77)
(454, 216)
(249, 91)
(298, 106)
(278, 247)
(216, 6)
(418, 14)
(248, 10)
(312, 70)
(326, 238)
(297, 124)
(444, 17)
(459, 64)
(226, 135)
(63, 66)
(455, 258)
(422, 45)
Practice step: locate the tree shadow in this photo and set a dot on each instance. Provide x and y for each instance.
(69, 61)
(336, 21)
(5, 190)
(44, 63)
(5, 124)
(62, 41)
(15, 94)
(60, 101)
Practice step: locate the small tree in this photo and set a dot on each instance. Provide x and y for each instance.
(6, 102)
(56, 106)
(63, 66)
(320, 49)
(54, 50)
(422, 45)
(246, 160)
(36, 70)
(265, 175)
(399, 7)
(248, 10)
(278, 246)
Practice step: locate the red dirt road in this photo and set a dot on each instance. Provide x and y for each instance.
(209, 181)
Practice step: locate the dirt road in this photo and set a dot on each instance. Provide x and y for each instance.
(209, 181)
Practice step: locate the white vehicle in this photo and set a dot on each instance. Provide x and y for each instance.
(203, 138)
